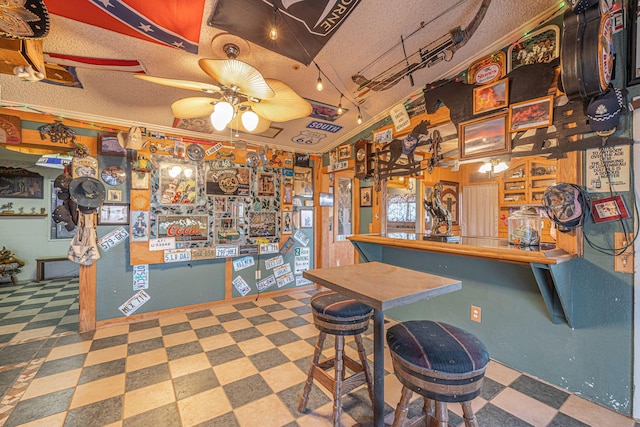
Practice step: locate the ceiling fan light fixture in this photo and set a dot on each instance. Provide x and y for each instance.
(222, 115)
(250, 120)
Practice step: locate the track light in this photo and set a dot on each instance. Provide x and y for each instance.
(273, 33)
(359, 116)
(340, 110)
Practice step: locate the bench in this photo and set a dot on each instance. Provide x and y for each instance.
(40, 263)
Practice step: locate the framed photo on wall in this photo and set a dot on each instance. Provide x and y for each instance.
(366, 199)
(113, 214)
(482, 137)
(108, 145)
(306, 218)
(535, 113)
(491, 96)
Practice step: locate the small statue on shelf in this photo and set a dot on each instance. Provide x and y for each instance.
(435, 208)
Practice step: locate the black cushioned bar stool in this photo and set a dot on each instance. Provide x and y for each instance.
(440, 362)
(341, 316)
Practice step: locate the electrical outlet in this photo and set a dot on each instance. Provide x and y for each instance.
(623, 263)
(258, 274)
(476, 314)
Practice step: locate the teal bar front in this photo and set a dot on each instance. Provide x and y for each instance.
(522, 320)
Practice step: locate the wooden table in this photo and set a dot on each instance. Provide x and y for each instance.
(381, 286)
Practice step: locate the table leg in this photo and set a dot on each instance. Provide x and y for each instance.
(378, 368)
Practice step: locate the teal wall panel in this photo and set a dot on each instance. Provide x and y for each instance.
(594, 359)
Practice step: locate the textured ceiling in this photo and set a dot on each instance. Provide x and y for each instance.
(368, 42)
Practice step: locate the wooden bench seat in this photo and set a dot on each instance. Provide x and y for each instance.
(40, 263)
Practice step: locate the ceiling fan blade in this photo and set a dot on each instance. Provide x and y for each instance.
(192, 108)
(231, 72)
(236, 123)
(284, 106)
(180, 84)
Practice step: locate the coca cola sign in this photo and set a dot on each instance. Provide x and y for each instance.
(183, 228)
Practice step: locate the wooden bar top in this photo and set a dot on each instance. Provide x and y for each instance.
(478, 247)
(382, 286)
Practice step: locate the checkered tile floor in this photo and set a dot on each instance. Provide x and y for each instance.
(238, 365)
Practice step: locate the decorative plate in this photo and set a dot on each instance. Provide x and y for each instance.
(253, 159)
(113, 175)
(195, 152)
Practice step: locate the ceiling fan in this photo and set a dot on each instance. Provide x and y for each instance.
(242, 99)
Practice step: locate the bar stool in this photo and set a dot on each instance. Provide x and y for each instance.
(341, 316)
(440, 362)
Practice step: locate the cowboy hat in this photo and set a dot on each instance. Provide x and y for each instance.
(87, 192)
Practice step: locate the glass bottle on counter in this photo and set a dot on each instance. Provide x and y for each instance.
(524, 227)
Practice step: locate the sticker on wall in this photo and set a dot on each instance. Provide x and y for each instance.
(177, 255)
(140, 277)
(242, 263)
(226, 251)
(134, 303)
(301, 281)
(242, 286)
(282, 270)
(273, 262)
(163, 244)
(383, 136)
(302, 259)
(215, 147)
(266, 283)
(307, 137)
(287, 245)
(202, 253)
(328, 127)
(301, 237)
(285, 279)
(269, 248)
(113, 238)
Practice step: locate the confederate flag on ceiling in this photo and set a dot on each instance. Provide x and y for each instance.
(175, 23)
(304, 26)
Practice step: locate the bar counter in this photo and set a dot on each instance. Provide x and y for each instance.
(479, 247)
(552, 268)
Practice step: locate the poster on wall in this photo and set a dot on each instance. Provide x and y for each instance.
(228, 182)
(178, 184)
(614, 160)
(302, 179)
(20, 184)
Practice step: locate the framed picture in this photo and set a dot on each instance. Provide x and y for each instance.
(366, 199)
(287, 222)
(483, 137)
(108, 145)
(536, 113)
(140, 180)
(114, 195)
(450, 199)
(344, 152)
(112, 214)
(633, 68)
(306, 218)
(542, 45)
(609, 209)
(18, 183)
(491, 96)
